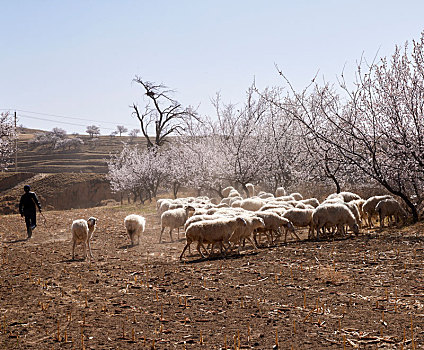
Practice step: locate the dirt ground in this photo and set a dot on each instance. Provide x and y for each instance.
(362, 292)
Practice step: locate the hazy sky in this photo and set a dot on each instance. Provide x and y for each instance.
(77, 58)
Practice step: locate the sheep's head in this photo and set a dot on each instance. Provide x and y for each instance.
(91, 222)
(241, 221)
(189, 210)
(258, 223)
(355, 229)
(288, 225)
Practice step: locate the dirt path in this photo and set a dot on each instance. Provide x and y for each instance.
(363, 291)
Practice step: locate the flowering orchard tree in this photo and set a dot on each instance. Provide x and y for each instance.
(376, 129)
(7, 138)
(93, 131)
(140, 172)
(244, 145)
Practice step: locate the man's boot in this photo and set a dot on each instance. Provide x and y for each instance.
(29, 232)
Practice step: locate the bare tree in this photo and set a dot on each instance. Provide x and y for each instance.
(167, 115)
(121, 129)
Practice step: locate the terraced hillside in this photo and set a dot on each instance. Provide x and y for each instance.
(88, 158)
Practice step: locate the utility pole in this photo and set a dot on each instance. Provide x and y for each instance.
(16, 147)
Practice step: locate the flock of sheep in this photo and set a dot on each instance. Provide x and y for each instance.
(234, 220)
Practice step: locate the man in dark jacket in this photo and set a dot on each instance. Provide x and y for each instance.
(27, 208)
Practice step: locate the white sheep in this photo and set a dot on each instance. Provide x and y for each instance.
(226, 191)
(174, 218)
(252, 204)
(334, 214)
(345, 196)
(234, 193)
(353, 207)
(390, 207)
(273, 223)
(251, 189)
(82, 230)
(265, 195)
(297, 196)
(242, 233)
(310, 201)
(280, 191)
(369, 207)
(300, 218)
(135, 225)
(211, 232)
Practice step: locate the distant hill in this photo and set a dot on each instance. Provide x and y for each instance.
(88, 158)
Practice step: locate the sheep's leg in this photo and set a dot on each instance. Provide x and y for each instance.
(255, 233)
(211, 248)
(178, 233)
(73, 250)
(253, 243)
(200, 244)
(85, 250)
(318, 228)
(170, 234)
(89, 249)
(185, 248)
(294, 234)
(161, 231)
(370, 221)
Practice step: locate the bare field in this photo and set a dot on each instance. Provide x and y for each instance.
(362, 292)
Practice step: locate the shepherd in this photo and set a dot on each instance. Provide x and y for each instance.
(27, 208)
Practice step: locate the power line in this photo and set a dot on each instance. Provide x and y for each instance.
(60, 116)
(52, 120)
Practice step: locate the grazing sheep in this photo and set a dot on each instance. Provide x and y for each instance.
(234, 199)
(390, 207)
(236, 204)
(134, 225)
(82, 231)
(345, 196)
(334, 214)
(273, 223)
(359, 203)
(234, 193)
(163, 207)
(211, 232)
(251, 189)
(226, 191)
(280, 191)
(310, 201)
(174, 218)
(355, 211)
(265, 195)
(369, 207)
(252, 204)
(349, 196)
(197, 218)
(300, 218)
(297, 196)
(242, 233)
(226, 200)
